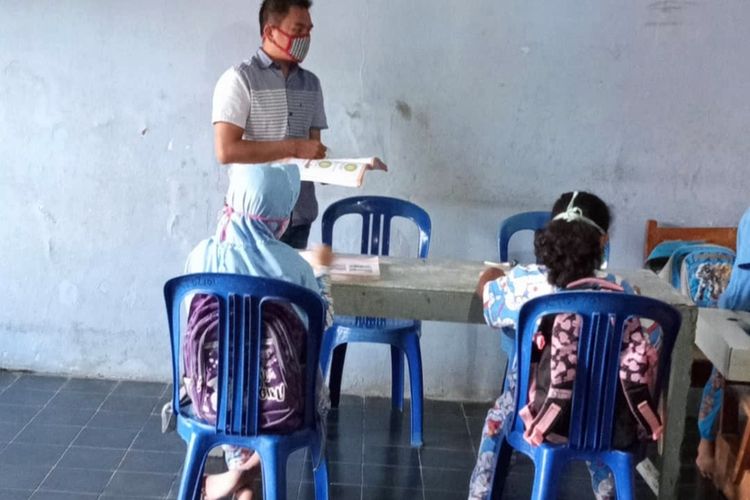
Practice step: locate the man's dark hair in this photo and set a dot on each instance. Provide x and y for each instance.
(572, 250)
(276, 10)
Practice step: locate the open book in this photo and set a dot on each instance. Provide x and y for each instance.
(339, 172)
(361, 266)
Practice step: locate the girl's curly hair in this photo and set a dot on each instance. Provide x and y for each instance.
(572, 250)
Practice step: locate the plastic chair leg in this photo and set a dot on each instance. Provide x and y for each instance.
(546, 475)
(320, 474)
(414, 356)
(326, 348)
(397, 378)
(624, 475)
(337, 370)
(273, 469)
(502, 464)
(192, 470)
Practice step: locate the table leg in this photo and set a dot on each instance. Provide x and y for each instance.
(679, 384)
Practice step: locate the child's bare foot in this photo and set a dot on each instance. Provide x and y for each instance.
(221, 485)
(233, 481)
(705, 459)
(244, 494)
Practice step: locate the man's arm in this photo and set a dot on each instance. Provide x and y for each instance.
(231, 148)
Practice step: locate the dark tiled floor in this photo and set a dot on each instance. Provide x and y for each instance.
(78, 439)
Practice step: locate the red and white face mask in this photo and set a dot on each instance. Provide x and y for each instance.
(296, 46)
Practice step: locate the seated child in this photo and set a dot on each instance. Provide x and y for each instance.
(570, 249)
(736, 297)
(258, 204)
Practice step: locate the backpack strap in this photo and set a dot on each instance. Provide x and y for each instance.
(200, 360)
(636, 372)
(563, 362)
(594, 284)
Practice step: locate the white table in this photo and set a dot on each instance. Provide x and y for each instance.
(724, 337)
(443, 290)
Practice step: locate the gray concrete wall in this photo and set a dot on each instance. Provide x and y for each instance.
(481, 108)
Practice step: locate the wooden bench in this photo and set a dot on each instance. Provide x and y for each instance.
(732, 475)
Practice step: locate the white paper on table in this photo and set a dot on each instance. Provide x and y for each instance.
(365, 266)
(356, 265)
(339, 172)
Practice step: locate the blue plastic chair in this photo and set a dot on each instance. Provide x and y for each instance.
(595, 389)
(402, 335)
(237, 420)
(527, 221)
(524, 221)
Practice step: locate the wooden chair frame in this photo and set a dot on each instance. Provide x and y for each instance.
(732, 474)
(655, 234)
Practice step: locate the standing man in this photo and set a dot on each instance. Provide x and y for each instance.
(268, 107)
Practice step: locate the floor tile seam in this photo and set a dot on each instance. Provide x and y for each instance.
(28, 423)
(299, 486)
(33, 374)
(4, 488)
(432, 447)
(331, 482)
(160, 395)
(51, 425)
(343, 462)
(58, 490)
(468, 429)
(393, 466)
(166, 390)
(386, 487)
(92, 469)
(108, 448)
(452, 469)
(362, 456)
(376, 464)
(70, 445)
(64, 389)
(102, 497)
(122, 460)
(171, 474)
(421, 472)
(436, 490)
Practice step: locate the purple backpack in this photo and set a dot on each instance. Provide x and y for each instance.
(282, 390)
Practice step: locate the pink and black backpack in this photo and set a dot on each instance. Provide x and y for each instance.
(554, 362)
